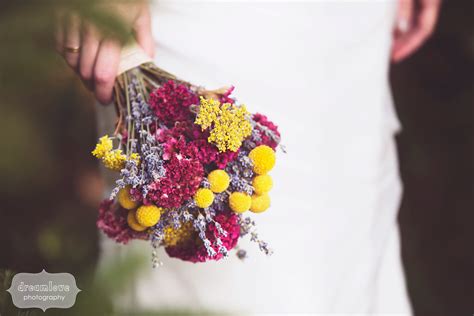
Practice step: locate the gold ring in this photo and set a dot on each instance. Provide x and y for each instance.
(72, 49)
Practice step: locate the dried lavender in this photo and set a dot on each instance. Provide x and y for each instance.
(129, 176)
(200, 225)
(247, 225)
(238, 184)
(139, 118)
(241, 171)
(220, 203)
(205, 183)
(152, 163)
(221, 248)
(268, 132)
(241, 254)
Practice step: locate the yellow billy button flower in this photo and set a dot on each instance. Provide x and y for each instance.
(103, 146)
(260, 203)
(239, 202)
(148, 215)
(125, 199)
(263, 159)
(132, 222)
(262, 184)
(219, 181)
(203, 197)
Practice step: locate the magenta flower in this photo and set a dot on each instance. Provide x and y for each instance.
(193, 249)
(171, 102)
(112, 221)
(266, 140)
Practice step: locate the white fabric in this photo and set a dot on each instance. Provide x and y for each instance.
(319, 70)
(132, 56)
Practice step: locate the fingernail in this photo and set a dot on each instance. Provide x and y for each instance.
(403, 25)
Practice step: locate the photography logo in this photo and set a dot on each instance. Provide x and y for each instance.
(43, 290)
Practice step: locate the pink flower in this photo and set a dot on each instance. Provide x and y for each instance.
(182, 179)
(209, 154)
(171, 102)
(266, 140)
(193, 249)
(226, 98)
(198, 146)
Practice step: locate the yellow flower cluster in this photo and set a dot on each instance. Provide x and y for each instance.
(143, 217)
(240, 202)
(229, 124)
(112, 159)
(260, 203)
(133, 223)
(219, 181)
(262, 184)
(263, 159)
(174, 236)
(103, 147)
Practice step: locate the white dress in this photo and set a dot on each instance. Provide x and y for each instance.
(318, 69)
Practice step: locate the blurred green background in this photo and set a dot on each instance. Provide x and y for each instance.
(51, 185)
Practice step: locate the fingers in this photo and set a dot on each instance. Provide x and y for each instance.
(59, 33)
(143, 33)
(89, 50)
(429, 16)
(403, 26)
(72, 39)
(95, 58)
(404, 17)
(105, 71)
(422, 27)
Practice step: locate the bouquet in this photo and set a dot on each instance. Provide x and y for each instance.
(190, 163)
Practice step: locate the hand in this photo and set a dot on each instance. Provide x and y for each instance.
(416, 21)
(97, 59)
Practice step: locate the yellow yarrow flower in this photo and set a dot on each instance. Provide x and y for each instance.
(175, 235)
(114, 160)
(229, 124)
(209, 111)
(103, 147)
(136, 157)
